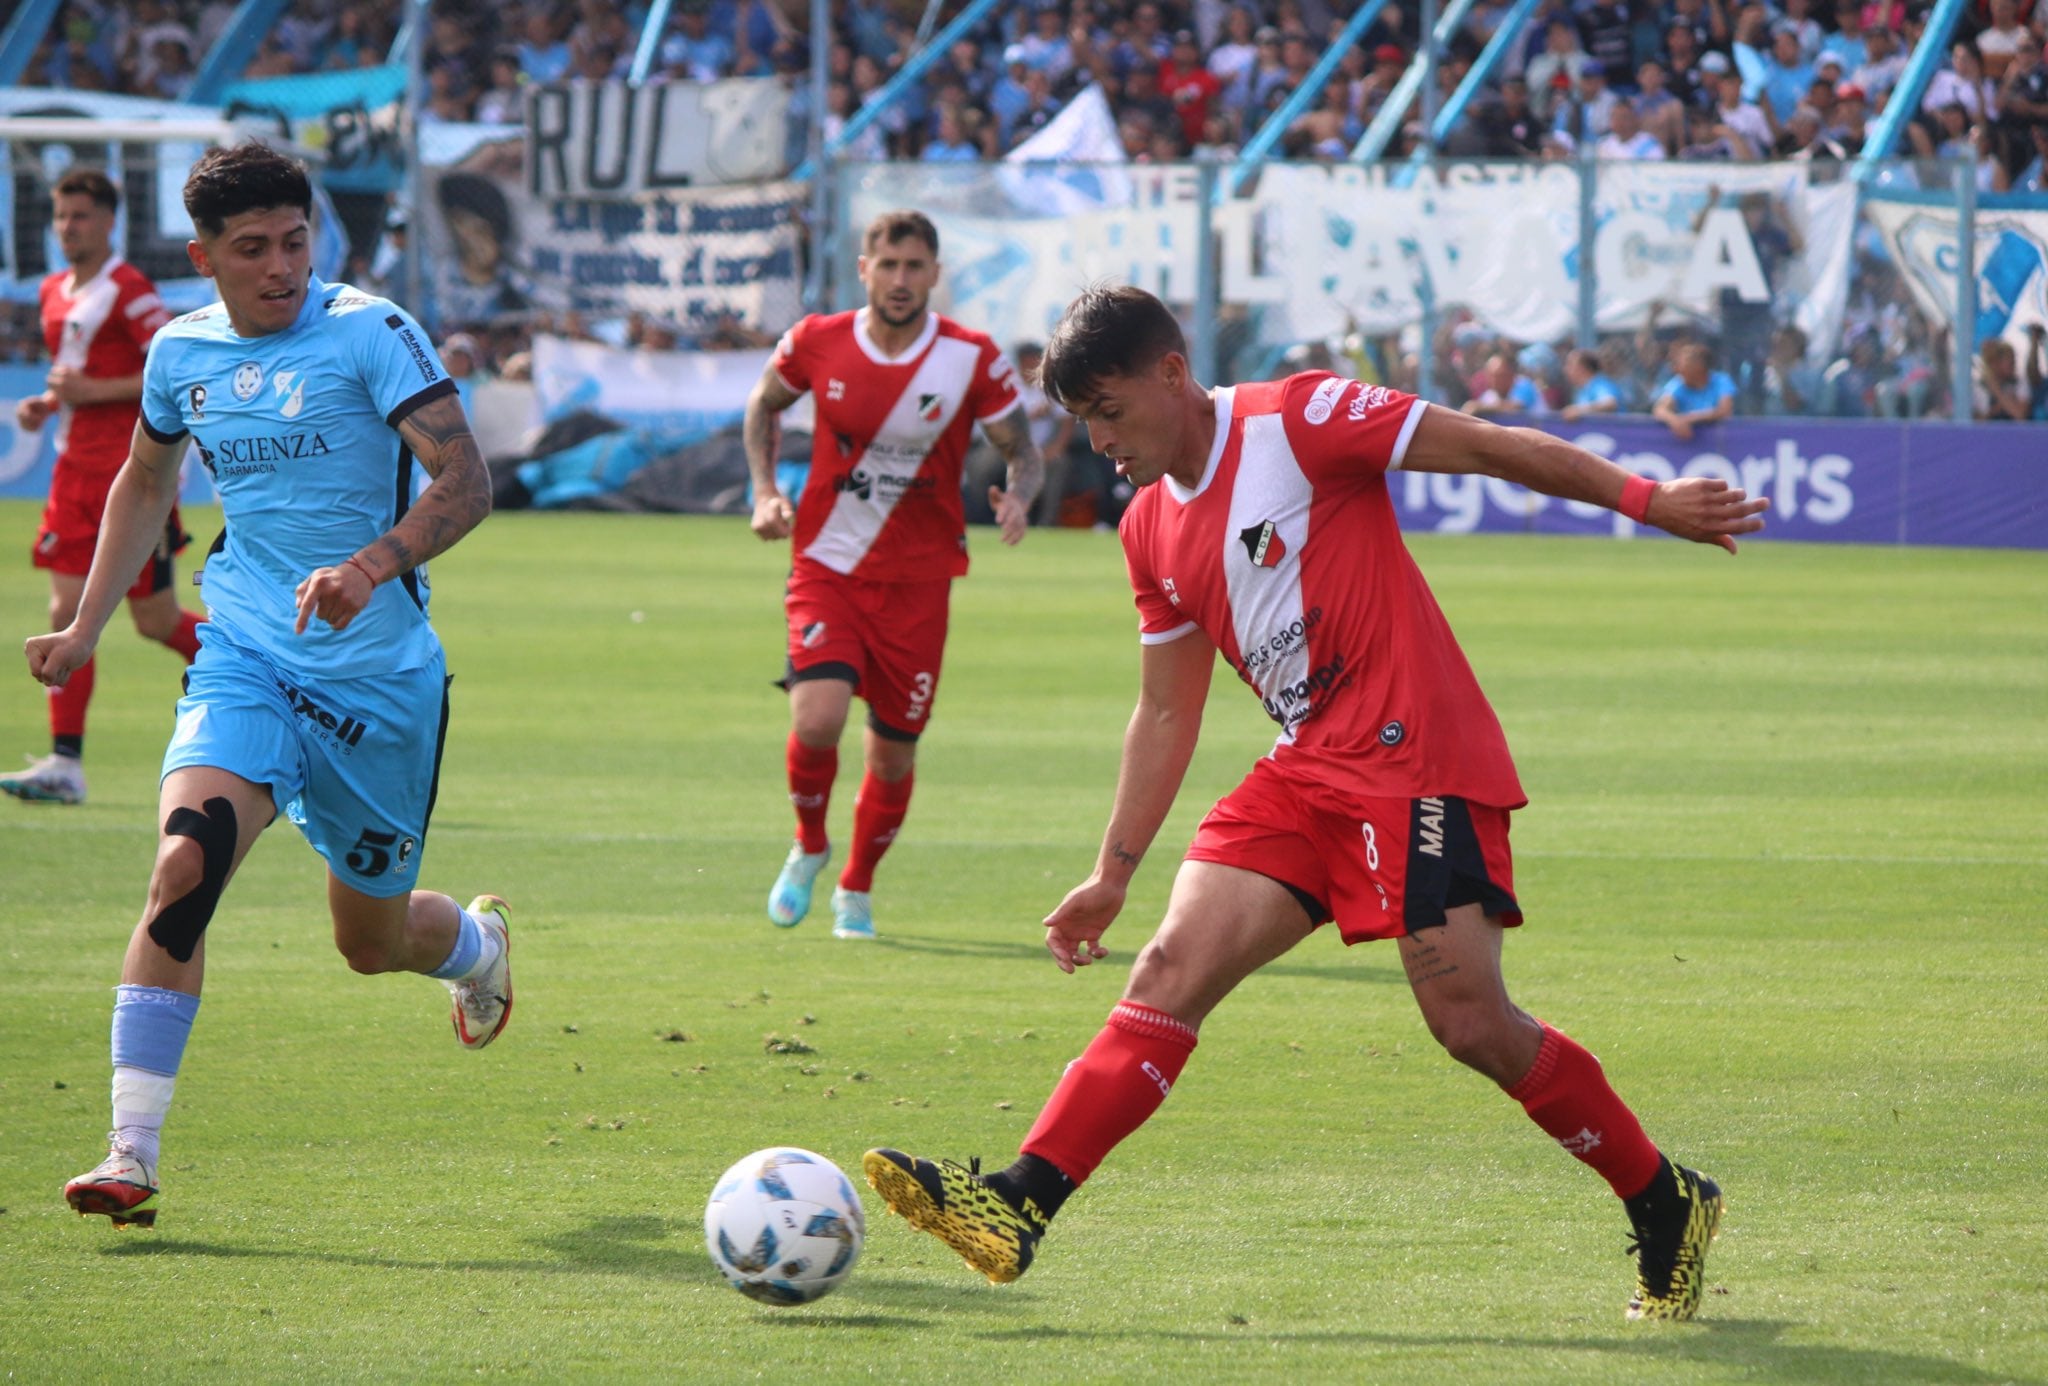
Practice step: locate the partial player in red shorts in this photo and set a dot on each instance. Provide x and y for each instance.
(98, 317)
(879, 535)
(1263, 531)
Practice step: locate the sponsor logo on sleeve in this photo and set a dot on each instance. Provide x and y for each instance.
(1323, 402)
(248, 380)
(196, 399)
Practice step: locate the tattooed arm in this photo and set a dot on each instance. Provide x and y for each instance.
(458, 500)
(762, 433)
(1011, 435)
(1173, 688)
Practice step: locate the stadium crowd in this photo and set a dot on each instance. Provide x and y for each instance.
(1698, 80)
(1640, 79)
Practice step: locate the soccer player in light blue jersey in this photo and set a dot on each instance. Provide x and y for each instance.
(320, 688)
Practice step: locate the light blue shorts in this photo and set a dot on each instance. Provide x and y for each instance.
(355, 763)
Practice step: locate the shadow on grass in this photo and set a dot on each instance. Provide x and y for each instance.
(1755, 1343)
(1337, 970)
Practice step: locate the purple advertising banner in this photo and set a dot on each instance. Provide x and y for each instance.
(1840, 481)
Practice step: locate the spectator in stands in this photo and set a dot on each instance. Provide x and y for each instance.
(1561, 57)
(452, 43)
(1791, 384)
(1331, 128)
(1708, 21)
(1882, 63)
(1588, 112)
(1698, 394)
(1145, 44)
(1388, 63)
(543, 53)
(1604, 27)
(1852, 113)
(1661, 113)
(1710, 141)
(1039, 109)
(1846, 43)
(691, 52)
(2033, 178)
(963, 63)
(1046, 48)
(1506, 390)
(2037, 379)
(1995, 390)
(1234, 56)
(303, 31)
(1787, 74)
(1690, 82)
(1593, 390)
(2004, 37)
(1507, 126)
(2023, 99)
(1963, 84)
(1738, 115)
(1009, 98)
(504, 101)
(1626, 140)
(951, 144)
(1142, 97)
(1799, 15)
(168, 69)
(1805, 139)
(1267, 74)
(1189, 85)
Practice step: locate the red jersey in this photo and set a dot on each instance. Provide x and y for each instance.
(1288, 558)
(101, 327)
(883, 498)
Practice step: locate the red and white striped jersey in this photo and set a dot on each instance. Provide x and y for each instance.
(1288, 558)
(883, 498)
(102, 327)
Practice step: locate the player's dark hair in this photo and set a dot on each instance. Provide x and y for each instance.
(90, 182)
(891, 227)
(1110, 330)
(246, 178)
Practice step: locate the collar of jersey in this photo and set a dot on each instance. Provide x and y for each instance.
(79, 286)
(910, 353)
(1181, 493)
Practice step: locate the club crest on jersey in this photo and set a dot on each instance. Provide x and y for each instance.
(196, 398)
(930, 407)
(248, 380)
(1264, 544)
(291, 389)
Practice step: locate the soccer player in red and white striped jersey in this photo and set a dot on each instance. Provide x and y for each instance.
(1263, 530)
(98, 317)
(878, 535)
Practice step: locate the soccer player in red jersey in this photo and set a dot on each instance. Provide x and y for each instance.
(1263, 529)
(879, 535)
(98, 317)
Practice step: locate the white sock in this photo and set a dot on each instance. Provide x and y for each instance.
(141, 1099)
(487, 951)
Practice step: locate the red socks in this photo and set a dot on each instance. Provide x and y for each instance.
(185, 639)
(1566, 1094)
(1112, 1089)
(811, 772)
(877, 813)
(68, 703)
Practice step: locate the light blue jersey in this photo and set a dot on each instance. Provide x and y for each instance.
(299, 431)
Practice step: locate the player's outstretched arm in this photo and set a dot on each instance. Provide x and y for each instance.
(458, 500)
(137, 507)
(1704, 509)
(1011, 435)
(1173, 687)
(762, 434)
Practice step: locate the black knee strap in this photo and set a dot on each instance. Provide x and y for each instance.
(178, 925)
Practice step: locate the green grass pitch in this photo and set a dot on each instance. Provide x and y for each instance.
(1786, 872)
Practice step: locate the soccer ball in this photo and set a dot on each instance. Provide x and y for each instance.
(784, 1226)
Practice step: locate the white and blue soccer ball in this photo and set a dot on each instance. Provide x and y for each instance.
(784, 1225)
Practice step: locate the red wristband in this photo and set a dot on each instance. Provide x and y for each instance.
(364, 569)
(1635, 498)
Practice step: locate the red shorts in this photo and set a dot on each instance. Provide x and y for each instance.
(885, 638)
(71, 531)
(1392, 871)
